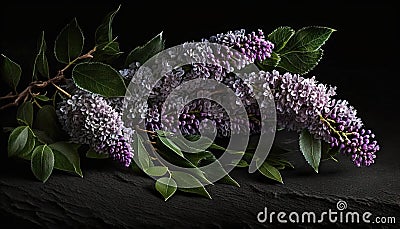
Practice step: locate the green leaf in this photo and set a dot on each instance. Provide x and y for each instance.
(162, 136)
(110, 48)
(196, 158)
(25, 113)
(277, 152)
(41, 65)
(280, 36)
(142, 53)
(156, 171)
(328, 153)
(299, 53)
(308, 39)
(93, 154)
(104, 32)
(69, 43)
(216, 171)
(270, 172)
(47, 121)
(248, 156)
(241, 163)
(278, 166)
(179, 160)
(276, 157)
(54, 98)
(42, 162)
(135, 167)
(269, 64)
(10, 72)
(183, 161)
(174, 158)
(66, 157)
(99, 78)
(286, 163)
(166, 186)
(141, 153)
(200, 144)
(185, 180)
(204, 142)
(300, 62)
(107, 52)
(43, 137)
(185, 148)
(21, 141)
(311, 149)
(208, 158)
(279, 163)
(200, 174)
(229, 180)
(28, 156)
(42, 98)
(217, 147)
(198, 191)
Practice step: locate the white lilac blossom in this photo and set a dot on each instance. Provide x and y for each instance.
(89, 119)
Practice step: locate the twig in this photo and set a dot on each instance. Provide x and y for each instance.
(339, 133)
(8, 96)
(62, 90)
(144, 130)
(37, 104)
(85, 56)
(24, 95)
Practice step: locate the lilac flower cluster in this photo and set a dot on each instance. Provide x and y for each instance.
(252, 45)
(89, 119)
(303, 103)
(351, 137)
(194, 113)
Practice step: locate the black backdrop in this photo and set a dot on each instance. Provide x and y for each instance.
(360, 58)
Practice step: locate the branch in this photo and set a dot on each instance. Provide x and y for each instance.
(85, 56)
(24, 95)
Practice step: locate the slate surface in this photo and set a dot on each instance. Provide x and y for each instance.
(109, 196)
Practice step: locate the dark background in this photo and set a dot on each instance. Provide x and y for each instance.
(361, 59)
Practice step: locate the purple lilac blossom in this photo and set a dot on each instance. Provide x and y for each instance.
(253, 45)
(303, 103)
(89, 119)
